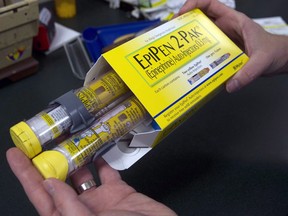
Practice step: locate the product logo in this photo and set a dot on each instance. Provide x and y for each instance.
(17, 54)
(164, 56)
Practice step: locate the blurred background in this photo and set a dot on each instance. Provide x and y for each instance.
(230, 158)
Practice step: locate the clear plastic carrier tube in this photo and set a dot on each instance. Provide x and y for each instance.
(73, 111)
(82, 147)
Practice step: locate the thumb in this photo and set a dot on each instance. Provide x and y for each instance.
(65, 199)
(248, 73)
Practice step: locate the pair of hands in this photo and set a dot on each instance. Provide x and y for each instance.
(268, 55)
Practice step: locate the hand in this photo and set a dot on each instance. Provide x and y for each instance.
(53, 197)
(268, 53)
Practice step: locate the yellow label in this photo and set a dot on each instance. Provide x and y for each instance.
(109, 128)
(102, 92)
(51, 123)
(174, 66)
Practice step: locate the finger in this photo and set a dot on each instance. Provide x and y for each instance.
(188, 5)
(211, 7)
(250, 71)
(80, 177)
(65, 199)
(223, 16)
(31, 181)
(106, 173)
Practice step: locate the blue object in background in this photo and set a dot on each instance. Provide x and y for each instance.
(96, 38)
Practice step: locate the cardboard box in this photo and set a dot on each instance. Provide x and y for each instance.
(173, 70)
(18, 25)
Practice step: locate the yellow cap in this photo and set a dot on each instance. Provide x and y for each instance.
(51, 164)
(25, 139)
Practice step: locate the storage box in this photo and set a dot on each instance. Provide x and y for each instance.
(173, 70)
(18, 25)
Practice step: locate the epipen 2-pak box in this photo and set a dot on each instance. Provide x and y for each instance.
(172, 69)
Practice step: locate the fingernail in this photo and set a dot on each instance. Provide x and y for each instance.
(233, 85)
(49, 187)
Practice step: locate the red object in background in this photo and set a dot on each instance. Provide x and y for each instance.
(46, 31)
(41, 42)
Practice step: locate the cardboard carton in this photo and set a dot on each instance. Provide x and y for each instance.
(173, 70)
